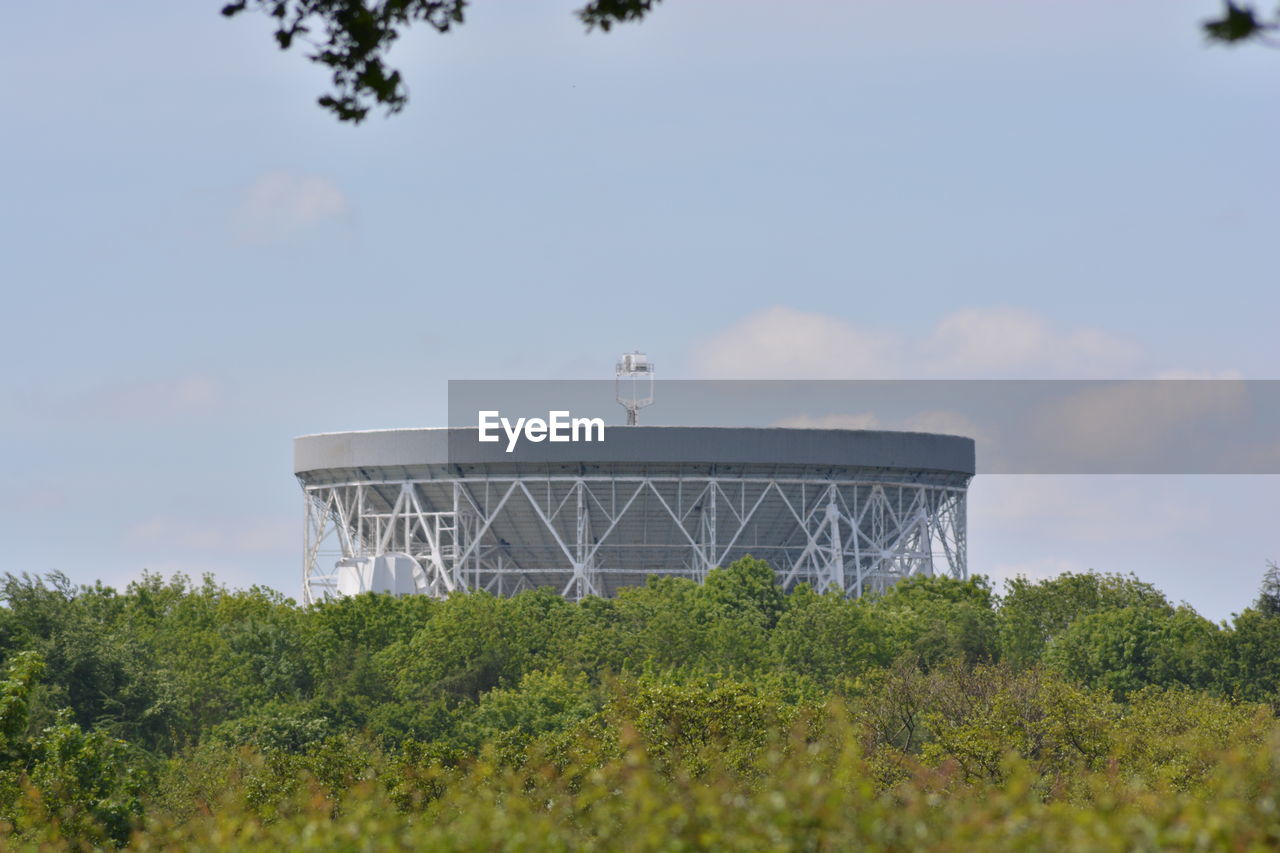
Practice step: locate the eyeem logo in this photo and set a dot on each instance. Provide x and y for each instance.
(559, 426)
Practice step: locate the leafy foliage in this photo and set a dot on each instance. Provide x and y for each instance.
(1034, 614)
(1129, 648)
(1268, 603)
(351, 38)
(357, 35)
(1081, 710)
(1239, 23)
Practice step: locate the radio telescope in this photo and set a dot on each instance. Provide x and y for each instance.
(436, 511)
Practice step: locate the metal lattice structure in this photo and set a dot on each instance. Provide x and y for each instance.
(591, 525)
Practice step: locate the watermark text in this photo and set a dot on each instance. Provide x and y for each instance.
(558, 426)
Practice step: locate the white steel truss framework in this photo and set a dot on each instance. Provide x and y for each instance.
(591, 535)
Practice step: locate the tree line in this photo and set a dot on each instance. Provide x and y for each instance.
(181, 714)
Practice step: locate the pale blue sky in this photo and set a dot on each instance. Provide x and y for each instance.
(199, 263)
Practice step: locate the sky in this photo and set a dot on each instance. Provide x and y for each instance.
(199, 264)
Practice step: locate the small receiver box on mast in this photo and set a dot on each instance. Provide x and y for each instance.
(633, 384)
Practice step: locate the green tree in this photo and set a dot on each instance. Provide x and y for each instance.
(463, 650)
(89, 785)
(1125, 650)
(1268, 602)
(828, 637)
(543, 702)
(663, 624)
(1033, 613)
(935, 619)
(351, 38)
(357, 34)
(1251, 658)
(1242, 22)
(705, 723)
(747, 586)
(63, 783)
(977, 717)
(95, 663)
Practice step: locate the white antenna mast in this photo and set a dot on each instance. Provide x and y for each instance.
(633, 384)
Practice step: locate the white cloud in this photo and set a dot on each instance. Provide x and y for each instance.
(280, 205)
(783, 343)
(1009, 342)
(1119, 423)
(1103, 426)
